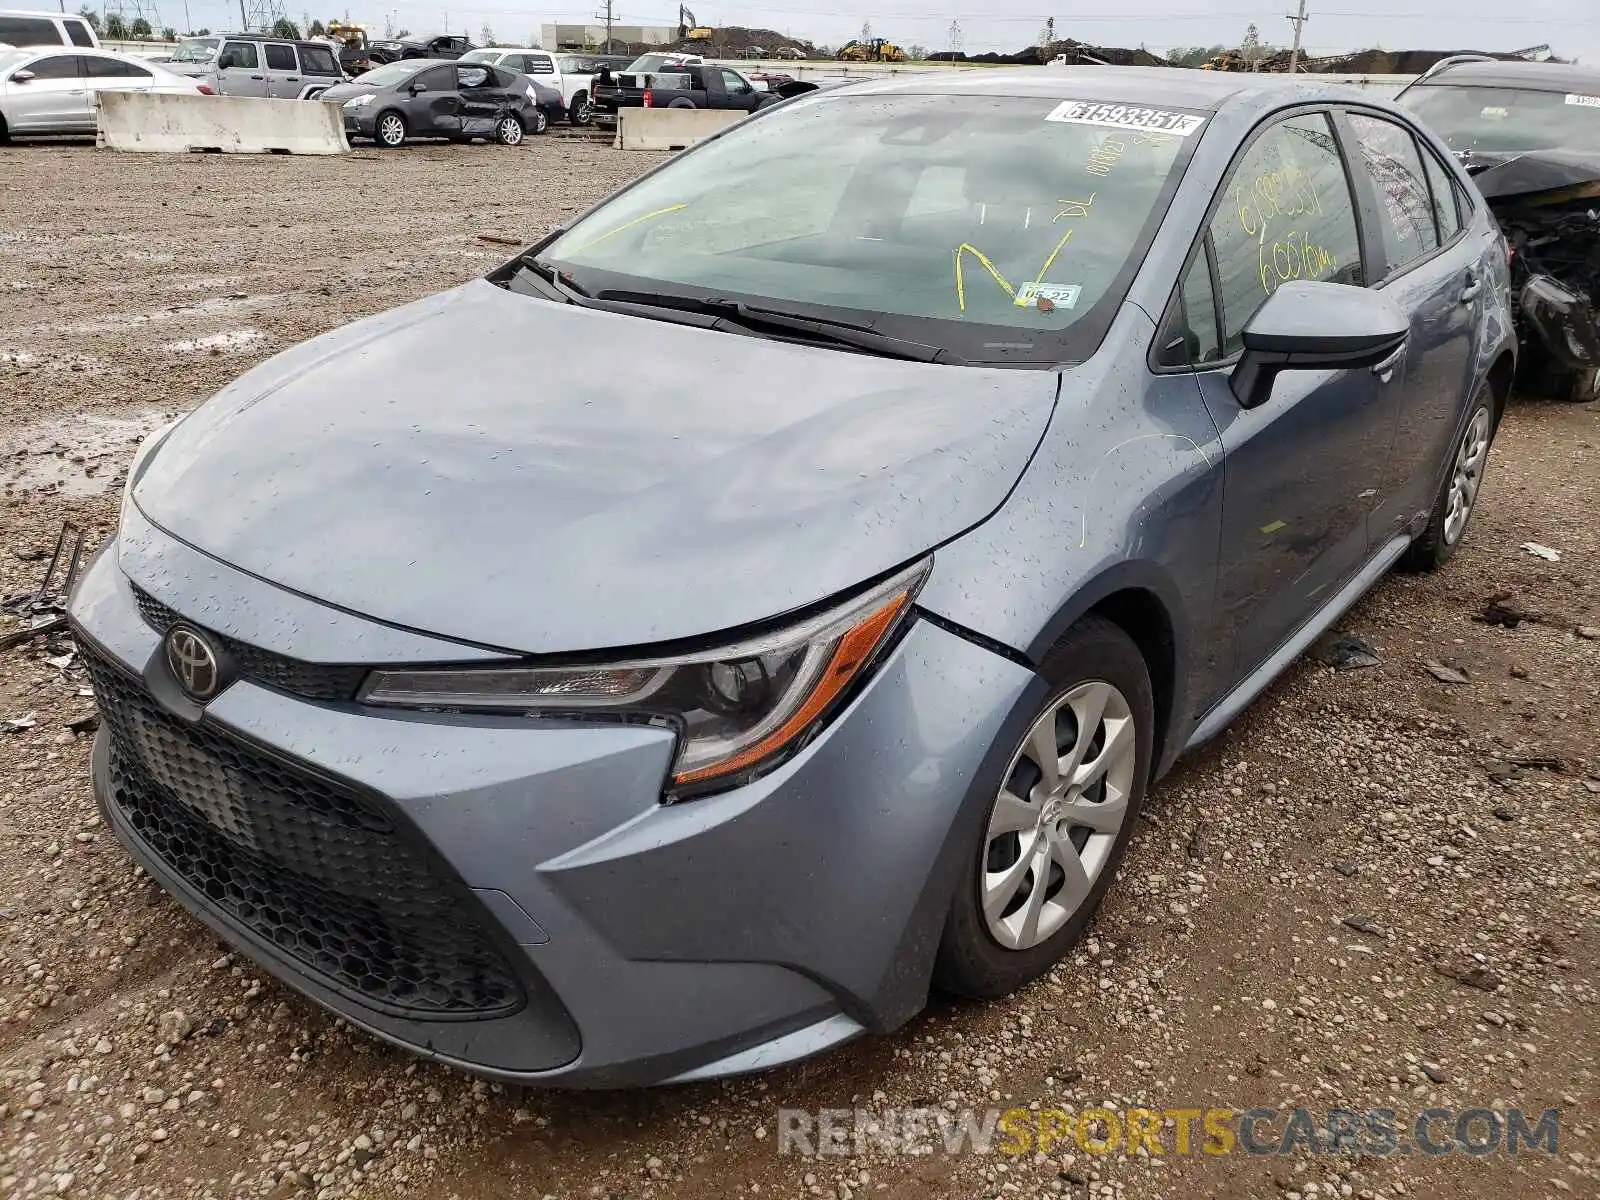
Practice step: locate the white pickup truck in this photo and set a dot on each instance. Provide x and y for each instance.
(570, 74)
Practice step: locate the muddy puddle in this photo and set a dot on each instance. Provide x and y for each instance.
(216, 343)
(80, 455)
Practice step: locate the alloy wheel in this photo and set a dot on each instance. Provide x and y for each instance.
(582, 111)
(391, 130)
(510, 131)
(1466, 475)
(1056, 820)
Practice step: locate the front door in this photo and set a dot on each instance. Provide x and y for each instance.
(1431, 273)
(740, 93)
(240, 71)
(436, 105)
(55, 99)
(283, 71)
(1304, 470)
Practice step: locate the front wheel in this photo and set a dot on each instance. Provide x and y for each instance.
(581, 112)
(1453, 507)
(1057, 827)
(390, 130)
(508, 131)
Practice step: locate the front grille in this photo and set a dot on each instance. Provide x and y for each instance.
(314, 681)
(312, 866)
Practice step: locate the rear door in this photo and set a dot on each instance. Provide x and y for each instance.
(1304, 470)
(282, 70)
(1430, 272)
(114, 75)
(435, 108)
(56, 99)
(240, 71)
(482, 99)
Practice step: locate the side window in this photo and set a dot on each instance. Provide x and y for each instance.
(29, 31)
(735, 84)
(281, 58)
(474, 76)
(239, 54)
(440, 79)
(318, 60)
(537, 64)
(1388, 154)
(112, 68)
(58, 66)
(1286, 213)
(1189, 334)
(79, 33)
(1443, 187)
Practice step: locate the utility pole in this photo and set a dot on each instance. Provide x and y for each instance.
(1299, 22)
(244, 21)
(607, 16)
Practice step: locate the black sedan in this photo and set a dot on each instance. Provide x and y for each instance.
(452, 100)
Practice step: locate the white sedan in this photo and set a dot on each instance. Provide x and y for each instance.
(52, 89)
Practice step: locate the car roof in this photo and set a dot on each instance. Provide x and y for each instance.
(1177, 86)
(1531, 76)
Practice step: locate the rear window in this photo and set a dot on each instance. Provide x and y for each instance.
(318, 60)
(1006, 229)
(1507, 119)
(79, 33)
(30, 31)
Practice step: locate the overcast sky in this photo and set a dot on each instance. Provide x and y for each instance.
(1572, 27)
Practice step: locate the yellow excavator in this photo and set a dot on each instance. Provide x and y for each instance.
(877, 50)
(690, 30)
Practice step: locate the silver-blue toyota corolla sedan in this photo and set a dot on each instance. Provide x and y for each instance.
(769, 598)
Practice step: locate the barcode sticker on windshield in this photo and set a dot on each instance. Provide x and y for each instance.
(1586, 101)
(1054, 295)
(1125, 116)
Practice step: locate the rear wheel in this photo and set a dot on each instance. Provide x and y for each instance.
(581, 112)
(540, 121)
(1453, 508)
(1063, 815)
(508, 131)
(390, 130)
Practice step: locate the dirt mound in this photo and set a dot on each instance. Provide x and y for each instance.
(1079, 52)
(734, 41)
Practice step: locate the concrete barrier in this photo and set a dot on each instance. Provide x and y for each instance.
(670, 128)
(227, 124)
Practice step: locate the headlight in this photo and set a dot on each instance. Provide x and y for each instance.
(738, 709)
(360, 101)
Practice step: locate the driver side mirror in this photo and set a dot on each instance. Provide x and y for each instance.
(22, 76)
(417, 87)
(1308, 325)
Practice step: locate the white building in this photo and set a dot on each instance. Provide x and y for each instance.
(592, 37)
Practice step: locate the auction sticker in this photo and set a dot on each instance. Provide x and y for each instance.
(1586, 101)
(1126, 116)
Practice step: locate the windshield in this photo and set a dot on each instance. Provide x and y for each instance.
(1485, 118)
(196, 50)
(488, 56)
(390, 73)
(1003, 229)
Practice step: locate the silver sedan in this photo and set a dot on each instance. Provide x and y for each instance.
(52, 89)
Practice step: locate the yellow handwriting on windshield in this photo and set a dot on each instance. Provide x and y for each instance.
(626, 225)
(994, 272)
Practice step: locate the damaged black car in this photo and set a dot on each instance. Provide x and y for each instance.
(1529, 135)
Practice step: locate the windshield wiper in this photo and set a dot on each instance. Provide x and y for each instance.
(563, 289)
(767, 322)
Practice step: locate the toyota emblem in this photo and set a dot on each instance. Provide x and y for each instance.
(193, 662)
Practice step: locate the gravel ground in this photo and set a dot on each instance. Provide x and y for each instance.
(1355, 898)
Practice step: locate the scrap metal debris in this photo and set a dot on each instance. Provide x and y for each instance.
(1475, 976)
(44, 607)
(1445, 674)
(1543, 552)
(18, 724)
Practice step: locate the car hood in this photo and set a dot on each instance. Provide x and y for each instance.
(349, 91)
(538, 477)
(1504, 175)
(191, 70)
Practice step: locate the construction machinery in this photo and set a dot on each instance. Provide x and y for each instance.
(876, 50)
(690, 30)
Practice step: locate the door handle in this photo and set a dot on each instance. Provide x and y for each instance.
(258, 77)
(291, 79)
(1470, 292)
(1385, 370)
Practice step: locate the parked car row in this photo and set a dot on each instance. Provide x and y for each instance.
(456, 99)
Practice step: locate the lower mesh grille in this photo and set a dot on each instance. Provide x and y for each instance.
(315, 868)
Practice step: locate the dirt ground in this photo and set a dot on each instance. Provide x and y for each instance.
(1356, 897)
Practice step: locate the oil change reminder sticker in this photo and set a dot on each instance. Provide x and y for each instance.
(1586, 101)
(1125, 116)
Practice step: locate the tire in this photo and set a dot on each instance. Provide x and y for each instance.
(5, 132)
(680, 102)
(508, 131)
(1093, 665)
(582, 112)
(1458, 494)
(389, 130)
(1575, 387)
(541, 121)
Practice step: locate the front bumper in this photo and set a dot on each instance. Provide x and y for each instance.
(360, 122)
(510, 896)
